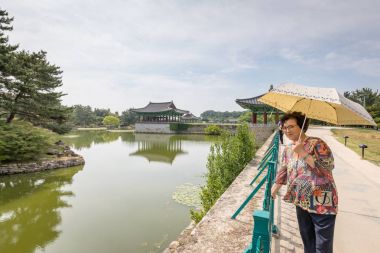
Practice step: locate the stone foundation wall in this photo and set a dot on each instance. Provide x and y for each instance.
(159, 128)
(164, 128)
(261, 131)
(62, 162)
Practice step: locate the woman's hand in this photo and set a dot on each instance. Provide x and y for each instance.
(274, 190)
(298, 148)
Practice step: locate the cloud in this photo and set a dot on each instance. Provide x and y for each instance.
(121, 54)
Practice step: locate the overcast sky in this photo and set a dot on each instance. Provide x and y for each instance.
(203, 55)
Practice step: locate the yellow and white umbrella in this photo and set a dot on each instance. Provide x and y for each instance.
(325, 104)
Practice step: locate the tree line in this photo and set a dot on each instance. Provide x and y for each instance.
(85, 116)
(370, 100)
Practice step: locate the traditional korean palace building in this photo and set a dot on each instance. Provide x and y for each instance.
(158, 117)
(160, 112)
(258, 108)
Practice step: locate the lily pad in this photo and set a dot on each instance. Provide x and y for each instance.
(188, 194)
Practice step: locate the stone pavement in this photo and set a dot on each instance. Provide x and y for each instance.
(358, 221)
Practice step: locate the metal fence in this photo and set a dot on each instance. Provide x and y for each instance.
(263, 219)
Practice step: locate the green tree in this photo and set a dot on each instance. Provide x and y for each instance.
(6, 49)
(128, 118)
(369, 99)
(220, 116)
(246, 117)
(111, 121)
(83, 115)
(28, 89)
(27, 85)
(100, 114)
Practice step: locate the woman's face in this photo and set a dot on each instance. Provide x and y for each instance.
(291, 129)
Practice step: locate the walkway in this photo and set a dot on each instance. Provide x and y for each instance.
(358, 221)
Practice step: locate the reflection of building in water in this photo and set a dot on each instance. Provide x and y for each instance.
(158, 148)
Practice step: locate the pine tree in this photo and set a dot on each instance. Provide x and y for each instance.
(29, 82)
(5, 48)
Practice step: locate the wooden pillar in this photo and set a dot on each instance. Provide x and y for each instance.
(265, 118)
(254, 118)
(277, 117)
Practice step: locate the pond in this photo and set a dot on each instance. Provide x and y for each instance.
(121, 200)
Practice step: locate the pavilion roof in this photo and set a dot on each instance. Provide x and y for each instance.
(162, 107)
(254, 104)
(250, 101)
(189, 116)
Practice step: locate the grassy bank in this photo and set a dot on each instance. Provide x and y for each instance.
(369, 137)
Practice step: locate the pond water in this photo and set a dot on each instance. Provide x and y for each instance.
(119, 201)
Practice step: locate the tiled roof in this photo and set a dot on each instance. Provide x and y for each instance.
(251, 101)
(159, 107)
(189, 116)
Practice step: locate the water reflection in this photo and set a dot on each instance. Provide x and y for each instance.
(30, 209)
(158, 148)
(85, 139)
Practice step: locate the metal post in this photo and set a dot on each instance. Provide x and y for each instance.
(260, 230)
(363, 146)
(345, 140)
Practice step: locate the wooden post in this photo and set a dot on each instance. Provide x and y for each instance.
(277, 117)
(265, 118)
(254, 118)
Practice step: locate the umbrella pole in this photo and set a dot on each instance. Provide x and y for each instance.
(303, 124)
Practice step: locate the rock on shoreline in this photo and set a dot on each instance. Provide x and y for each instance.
(62, 162)
(64, 157)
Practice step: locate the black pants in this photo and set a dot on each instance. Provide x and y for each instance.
(317, 231)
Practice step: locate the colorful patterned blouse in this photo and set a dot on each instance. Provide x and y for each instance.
(312, 189)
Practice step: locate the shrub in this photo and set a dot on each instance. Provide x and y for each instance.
(213, 130)
(226, 160)
(178, 127)
(111, 121)
(20, 141)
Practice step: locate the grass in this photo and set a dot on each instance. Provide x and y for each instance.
(369, 137)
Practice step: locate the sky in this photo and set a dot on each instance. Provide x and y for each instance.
(202, 55)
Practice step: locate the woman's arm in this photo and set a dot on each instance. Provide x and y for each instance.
(282, 175)
(319, 158)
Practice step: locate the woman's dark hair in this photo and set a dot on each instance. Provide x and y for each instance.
(298, 116)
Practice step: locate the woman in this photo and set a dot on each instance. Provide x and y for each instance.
(306, 168)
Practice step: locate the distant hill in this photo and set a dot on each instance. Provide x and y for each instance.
(216, 116)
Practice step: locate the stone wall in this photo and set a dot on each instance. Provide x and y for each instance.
(261, 131)
(164, 128)
(217, 232)
(160, 128)
(62, 162)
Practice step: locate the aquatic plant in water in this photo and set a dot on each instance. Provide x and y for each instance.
(188, 194)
